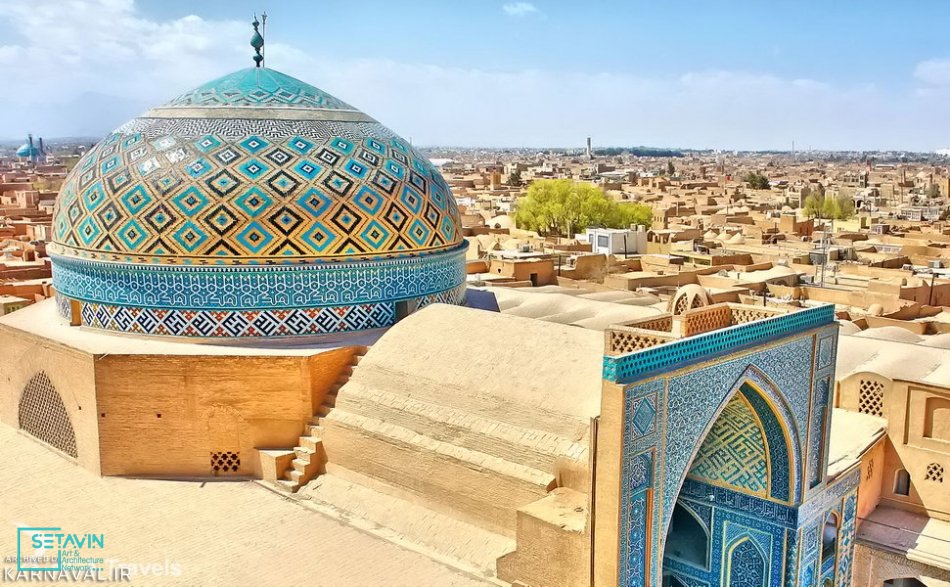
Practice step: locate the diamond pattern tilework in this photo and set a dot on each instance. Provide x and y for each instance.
(240, 324)
(258, 87)
(283, 185)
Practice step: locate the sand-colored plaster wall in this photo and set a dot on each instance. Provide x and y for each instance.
(165, 415)
(70, 371)
(918, 440)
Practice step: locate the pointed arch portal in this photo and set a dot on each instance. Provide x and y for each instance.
(722, 457)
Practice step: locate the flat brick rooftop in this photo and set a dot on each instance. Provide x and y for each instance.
(219, 533)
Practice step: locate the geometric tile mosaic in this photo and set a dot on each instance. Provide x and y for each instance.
(734, 452)
(221, 185)
(234, 206)
(736, 410)
(246, 323)
(258, 287)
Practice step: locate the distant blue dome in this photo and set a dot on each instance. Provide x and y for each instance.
(26, 150)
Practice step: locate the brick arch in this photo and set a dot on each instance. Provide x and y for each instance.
(42, 414)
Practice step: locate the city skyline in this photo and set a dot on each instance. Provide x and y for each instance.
(508, 74)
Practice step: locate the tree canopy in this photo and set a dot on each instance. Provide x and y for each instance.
(561, 207)
(832, 208)
(757, 181)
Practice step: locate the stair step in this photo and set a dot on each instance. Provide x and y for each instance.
(296, 477)
(300, 465)
(286, 485)
(313, 441)
(304, 453)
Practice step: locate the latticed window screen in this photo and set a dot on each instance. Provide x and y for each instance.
(225, 462)
(935, 472)
(681, 305)
(43, 415)
(871, 397)
(628, 342)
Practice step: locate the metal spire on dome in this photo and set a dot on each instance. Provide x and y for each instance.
(257, 40)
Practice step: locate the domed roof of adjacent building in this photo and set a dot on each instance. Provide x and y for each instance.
(255, 166)
(26, 150)
(254, 205)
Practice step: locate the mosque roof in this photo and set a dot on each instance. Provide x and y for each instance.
(472, 360)
(928, 364)
(26, 150)
(253, 167)
(258, 86)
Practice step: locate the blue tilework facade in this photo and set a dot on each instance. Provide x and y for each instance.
(258, 287)
(778, 367)
(269, 323)
(259, 86)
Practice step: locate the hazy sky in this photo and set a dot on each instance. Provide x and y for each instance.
(727, 74)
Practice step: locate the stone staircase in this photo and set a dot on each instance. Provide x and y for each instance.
(309, 455)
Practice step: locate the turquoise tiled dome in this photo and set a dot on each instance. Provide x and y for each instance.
(254, 191)
(26, 150)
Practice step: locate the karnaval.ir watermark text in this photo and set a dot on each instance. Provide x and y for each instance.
(49, 554)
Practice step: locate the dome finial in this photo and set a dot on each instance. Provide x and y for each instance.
(257, 40)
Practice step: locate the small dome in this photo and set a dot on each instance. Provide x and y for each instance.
(891, 333)
(254, 205)
(688, 297)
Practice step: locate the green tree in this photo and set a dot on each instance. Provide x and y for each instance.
(844, 207)
(514, 178)
(812, 207)
(829, 208)
(756, 180)
(670, 168)
(561, 207)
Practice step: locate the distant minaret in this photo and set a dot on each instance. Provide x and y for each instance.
(590, 152)
(32, 152)
(42, 149)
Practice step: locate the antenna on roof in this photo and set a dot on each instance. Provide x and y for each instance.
(257, 41)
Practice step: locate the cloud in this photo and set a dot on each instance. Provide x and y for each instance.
(80, 77)
(519, 9)
(935, 72)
